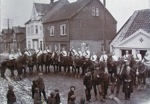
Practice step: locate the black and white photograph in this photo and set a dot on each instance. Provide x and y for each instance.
(74, 51)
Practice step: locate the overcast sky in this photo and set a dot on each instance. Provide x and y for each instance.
(19, 11)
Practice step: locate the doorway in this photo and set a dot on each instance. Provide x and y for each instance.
(123, 52)
(142, 52)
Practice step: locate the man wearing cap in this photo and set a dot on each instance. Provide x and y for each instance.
(87, 82)
(72, 52)
(103, 57)
(12, 59)
(41, 85)
(138, 56)
(94, 59)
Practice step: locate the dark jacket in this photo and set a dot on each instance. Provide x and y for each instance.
(57, 99)
(40, 84)
(69, 96)
(87, 81)
(11, 98)
(51, 100)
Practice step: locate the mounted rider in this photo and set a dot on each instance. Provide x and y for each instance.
(39, 52)
(79, 53)
(12, 57)
(27, 52)
(103, 57)
(138, 56)
(72, 52)
(18, 54)
(114, 57)
(146, 58)
(94, 59)
(46, 50)
(126, 57)
(64, 52)
(87, 53)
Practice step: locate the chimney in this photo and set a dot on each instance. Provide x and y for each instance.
(51, 1)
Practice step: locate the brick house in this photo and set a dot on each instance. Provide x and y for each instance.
(134, 34)
(14, 39)
(34, 27)
(80, 24)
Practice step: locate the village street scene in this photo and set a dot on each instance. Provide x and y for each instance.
(74, 52)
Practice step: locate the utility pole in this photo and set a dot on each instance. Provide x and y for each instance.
(104, 25)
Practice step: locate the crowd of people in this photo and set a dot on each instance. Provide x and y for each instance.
(38, 86)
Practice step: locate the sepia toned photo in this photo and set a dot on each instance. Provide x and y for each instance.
(74, 51)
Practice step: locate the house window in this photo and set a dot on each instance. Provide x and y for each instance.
(93, 11)
(51, 30)
(29, 44)
(36, 29)
(32, 29)
(97, 12)
(63, 29)
(28, 30)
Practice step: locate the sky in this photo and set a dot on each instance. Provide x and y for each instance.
(19, 11)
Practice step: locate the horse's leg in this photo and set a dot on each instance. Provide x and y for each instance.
(3, 69)
(12, 72)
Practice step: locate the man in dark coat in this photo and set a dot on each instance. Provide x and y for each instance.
(51, 98)
(128, 83)
(11, 98)
(57, 96)
(87, 82)
(41, 85)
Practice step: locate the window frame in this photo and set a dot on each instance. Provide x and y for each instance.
(93, 11)
(96, 11)
(52, 30)
(63, 30)
(36, 29)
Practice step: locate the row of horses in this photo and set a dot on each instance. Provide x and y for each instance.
(74, 65)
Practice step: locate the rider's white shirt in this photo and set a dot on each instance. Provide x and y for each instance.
(64, 53)
(11, 56)
(79, 53)
(138, 57)
(146, 59)
(39, 52)
(46, 51)
(103, 58)
(86, 54)
(18, 55)
(126, 56)
(115, 58)
(93, 57)
(28, 53)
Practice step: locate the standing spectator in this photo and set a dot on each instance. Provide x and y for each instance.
(71, 95)
(51, 98)
(87, 82)
(41, 85)
(11, 98)
(34, 85)
(37, 97)
(57, 96)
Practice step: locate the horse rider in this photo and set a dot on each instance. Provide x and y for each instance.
(18, 54)
(103, 57)
(87, 53)
(72, 52)
(27, 52)
(146, 58)
(39, 52)
(12, 57)
(114, 57)
(94, 59)
(138, 56)
(64, 52)
(46, 50)
(79, 53)
(126, 57)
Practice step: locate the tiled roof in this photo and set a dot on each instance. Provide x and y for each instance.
(67, 11)
(141, 21)
(19, 29)
(44, 8)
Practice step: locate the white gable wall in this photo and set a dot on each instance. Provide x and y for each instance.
(140, 40)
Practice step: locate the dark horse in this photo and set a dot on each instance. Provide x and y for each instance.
(19, 64)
